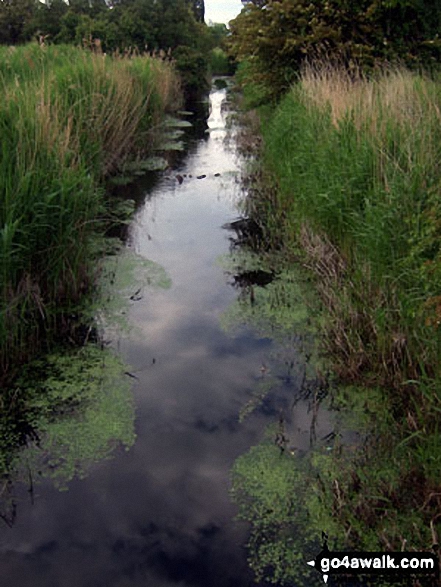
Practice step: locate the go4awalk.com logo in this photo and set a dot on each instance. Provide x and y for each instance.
(374, 563)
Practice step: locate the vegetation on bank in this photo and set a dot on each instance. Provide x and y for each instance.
(357, 163)
(349, 188)
(68, 119)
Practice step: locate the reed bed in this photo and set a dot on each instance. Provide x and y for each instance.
(358, 167)
(355, 194)
(68, 118)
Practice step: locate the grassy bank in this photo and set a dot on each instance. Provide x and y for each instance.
(359, 178)
(352, 192)
(68, 119)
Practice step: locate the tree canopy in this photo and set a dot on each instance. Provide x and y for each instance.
(118, 24)
(275, 36)
(176, 27)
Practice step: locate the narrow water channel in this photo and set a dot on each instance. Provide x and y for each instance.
(159, 514)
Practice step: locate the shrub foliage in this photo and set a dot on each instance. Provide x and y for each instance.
(276, 36)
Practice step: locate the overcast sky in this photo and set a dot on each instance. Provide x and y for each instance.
(222, 10)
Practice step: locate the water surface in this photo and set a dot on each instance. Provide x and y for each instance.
(159, 514)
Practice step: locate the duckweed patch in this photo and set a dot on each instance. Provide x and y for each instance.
(67, 412)
(125, 278)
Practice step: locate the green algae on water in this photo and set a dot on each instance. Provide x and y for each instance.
(170, 146)
(125, 278)
(152, 163)
(268, 487)
(277, 309)
(76, 408)
(172, 122)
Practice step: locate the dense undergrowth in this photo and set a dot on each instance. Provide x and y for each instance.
(349, 187)
(68, 119)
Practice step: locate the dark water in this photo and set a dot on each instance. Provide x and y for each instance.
(160, 514)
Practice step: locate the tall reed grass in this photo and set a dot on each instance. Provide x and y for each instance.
(356, 194)
(68, 118)
(358, 163)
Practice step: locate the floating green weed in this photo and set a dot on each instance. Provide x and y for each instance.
(170, 146)
(72, 410)
(270, 488)
(172, 122)
(125, 279)
(277, 309)
(280, 311)
(149, 164)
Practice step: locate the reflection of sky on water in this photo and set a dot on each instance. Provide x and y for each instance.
(160, 515)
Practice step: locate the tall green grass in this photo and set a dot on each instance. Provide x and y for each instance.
(355, 194)
(68, 118)
(358, 166)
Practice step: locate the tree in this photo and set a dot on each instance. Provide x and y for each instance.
(218, 32)
(198, 8)
(175, 24)
(275, 36)
(48, 18)
(16, 17)
(90, 7)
